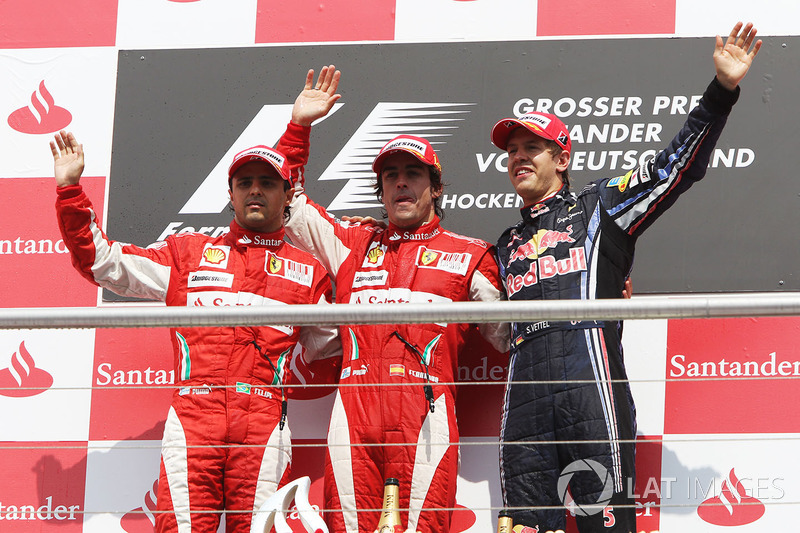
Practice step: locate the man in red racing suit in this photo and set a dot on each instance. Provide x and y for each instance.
(396, 386)
(225, 443)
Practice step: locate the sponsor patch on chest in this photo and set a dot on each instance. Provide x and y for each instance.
(370, 278)
(455, 263)
(215, 256)
(546, 267)
(541, 242)
(206, 278)
(374, 256)
(288, 269)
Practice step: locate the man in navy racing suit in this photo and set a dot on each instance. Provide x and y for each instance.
(581, 246)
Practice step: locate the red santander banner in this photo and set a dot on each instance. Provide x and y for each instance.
(43, 486)
(34, 263)
(723, 375)
(133, 374)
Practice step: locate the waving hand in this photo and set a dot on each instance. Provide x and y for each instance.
(316, 100)
(734, 58)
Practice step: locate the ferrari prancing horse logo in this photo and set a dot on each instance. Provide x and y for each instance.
(275, 265)
(429, 257)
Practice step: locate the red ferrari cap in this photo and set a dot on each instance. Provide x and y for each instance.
(416, 146)
(261, 153)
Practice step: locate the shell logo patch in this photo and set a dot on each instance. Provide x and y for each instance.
(215, 256)
(374, 255)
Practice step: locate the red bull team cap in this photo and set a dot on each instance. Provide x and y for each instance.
(544, 125)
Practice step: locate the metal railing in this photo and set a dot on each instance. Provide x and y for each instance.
(640, 307)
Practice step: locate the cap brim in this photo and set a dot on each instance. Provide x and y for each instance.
(378, 163)
(502, 131)
(249, 159)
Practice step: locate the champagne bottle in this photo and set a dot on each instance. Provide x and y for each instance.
(504, 522)
(390, 515)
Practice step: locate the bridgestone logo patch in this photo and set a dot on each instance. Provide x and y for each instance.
(370, 279)
(210, 279)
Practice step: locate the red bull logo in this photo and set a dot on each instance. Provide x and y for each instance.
(541, 242)
(546, 267)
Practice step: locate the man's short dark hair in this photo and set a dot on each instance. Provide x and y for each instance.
(555, 150)
(287, 213)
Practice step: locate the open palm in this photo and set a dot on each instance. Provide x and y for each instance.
(733, 59)
(67, 159)
(314, 101)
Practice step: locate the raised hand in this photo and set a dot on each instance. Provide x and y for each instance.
(67, 159)
(733, 59)
(316, 100)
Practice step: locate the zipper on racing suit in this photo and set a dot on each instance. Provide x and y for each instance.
(284, 403)
(427, 387)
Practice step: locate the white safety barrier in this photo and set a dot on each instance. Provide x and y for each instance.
(275, 512)
(642, 307)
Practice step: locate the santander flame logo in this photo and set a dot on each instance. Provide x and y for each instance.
(142, 519)
(23, 379)
(733, 507)
(42, 116)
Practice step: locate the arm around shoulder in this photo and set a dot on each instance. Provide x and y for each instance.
(486, 286)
